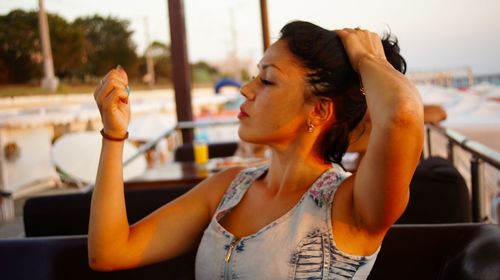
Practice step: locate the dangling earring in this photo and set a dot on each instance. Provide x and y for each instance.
(310, 126)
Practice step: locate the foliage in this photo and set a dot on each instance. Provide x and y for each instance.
(67, 46)
(88, 47)
(162, 63)
(19, 47)
(203, 73)
(82, 50)
(21, 54)
(245, 76)
(108, 43)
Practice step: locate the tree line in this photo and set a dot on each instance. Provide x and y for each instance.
(82, 50)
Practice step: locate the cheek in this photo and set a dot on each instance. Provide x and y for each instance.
(275, 106)
(283, 114)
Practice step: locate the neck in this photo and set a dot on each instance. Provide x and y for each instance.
(294, 169)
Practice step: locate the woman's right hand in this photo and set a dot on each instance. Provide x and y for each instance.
(112, 97)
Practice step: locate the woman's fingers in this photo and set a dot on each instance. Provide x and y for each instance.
(115, 111)
(121, 74)
(116, 97)
(116, 78)
(112, 84)
(360, 43)
(112, 99)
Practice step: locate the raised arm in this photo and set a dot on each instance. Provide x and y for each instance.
(170, 231)
(380, 186)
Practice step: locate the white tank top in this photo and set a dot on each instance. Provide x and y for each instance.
(298, 245)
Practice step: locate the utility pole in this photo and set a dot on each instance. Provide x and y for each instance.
(49, 81)
(470, 77)
(149, 56)
(233, 54)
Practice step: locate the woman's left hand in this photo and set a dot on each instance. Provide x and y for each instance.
(360, 44)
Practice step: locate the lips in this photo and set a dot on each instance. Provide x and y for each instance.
(243, 114)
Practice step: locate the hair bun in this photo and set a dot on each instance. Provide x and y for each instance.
(392, 52)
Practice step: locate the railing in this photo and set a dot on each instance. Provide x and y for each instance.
(180, 126)
(6, 198)
(480, 155)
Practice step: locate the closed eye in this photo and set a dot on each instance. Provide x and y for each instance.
(266, 82)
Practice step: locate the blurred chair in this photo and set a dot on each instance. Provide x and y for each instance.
(439, 251)
(65, 257)
(68, 214)
(445, 251)
(185, 152)
(438, 194)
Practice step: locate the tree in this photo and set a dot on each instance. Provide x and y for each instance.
(108, 43)
(202, 72)
(20, 51)
(162, 62)
(89, 46)
(67, 46)
(19, 47)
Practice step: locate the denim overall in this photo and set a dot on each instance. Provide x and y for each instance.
(298, 245)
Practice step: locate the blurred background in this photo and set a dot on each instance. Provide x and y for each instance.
(54, 52)
(224, 37)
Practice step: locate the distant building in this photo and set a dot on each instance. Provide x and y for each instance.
(457, 78)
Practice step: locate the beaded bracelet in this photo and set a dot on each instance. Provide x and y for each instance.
(105, 136)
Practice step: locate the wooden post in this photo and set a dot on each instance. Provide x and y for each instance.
(180, 66)
(265, 24)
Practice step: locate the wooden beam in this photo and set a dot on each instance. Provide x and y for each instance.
(265, 24)
(180, 66)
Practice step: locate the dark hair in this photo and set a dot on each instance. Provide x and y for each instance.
(333, 77)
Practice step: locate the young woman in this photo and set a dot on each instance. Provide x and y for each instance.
(301, 216)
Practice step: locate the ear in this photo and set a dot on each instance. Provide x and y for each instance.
(322, 112)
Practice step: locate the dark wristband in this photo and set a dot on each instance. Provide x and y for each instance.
(105, 136)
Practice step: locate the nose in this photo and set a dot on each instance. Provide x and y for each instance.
(247, 92)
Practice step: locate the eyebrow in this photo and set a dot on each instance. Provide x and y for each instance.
(264, 66)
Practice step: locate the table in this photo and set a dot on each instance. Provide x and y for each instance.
(169, 175)
(182, 174)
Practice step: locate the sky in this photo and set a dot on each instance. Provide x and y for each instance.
(434, 35)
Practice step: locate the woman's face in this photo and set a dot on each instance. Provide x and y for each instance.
(275, 110)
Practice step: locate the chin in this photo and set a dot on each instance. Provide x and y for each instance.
(247, 136)
(242, 135)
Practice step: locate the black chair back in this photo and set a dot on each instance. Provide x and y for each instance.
(446, 251)
(62, 258)
(429, 252)
(438, 194)
(68, 214)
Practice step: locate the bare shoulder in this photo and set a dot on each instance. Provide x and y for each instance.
(214, 187)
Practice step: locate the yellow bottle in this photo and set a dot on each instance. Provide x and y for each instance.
(200, 148)
(200, 153)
